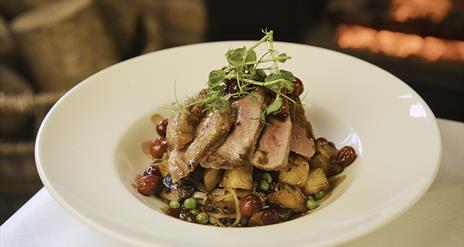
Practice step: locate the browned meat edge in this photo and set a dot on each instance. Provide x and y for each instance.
(302, 139)
(182, 123)
(210, 134)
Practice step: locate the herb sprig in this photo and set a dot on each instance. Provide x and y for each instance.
(249, 72)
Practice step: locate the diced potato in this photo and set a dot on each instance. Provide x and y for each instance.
(316, 182)
(326, 148)
(238, 178)
(296, 173)
(297, 159)
(289, 197)
(322, 159)
(211, 178)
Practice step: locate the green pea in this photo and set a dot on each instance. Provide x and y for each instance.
(194, 211)
(263, 185)
(267, 177)
(202, 218)
(319, 195)
(311, 204)
(190, 203)
(174, 204)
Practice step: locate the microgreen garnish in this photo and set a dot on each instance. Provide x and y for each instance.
(247, 71)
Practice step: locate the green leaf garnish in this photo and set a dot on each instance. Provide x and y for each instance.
(249, 72)
(261, 74)
(274, 106)
(273, 77)
(282, 57)
(216, 76)
(251, 56)
(287, 75)
(236, 56)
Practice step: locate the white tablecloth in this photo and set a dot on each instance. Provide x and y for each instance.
(436, 220)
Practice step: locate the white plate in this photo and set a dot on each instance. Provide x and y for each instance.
(88, 148)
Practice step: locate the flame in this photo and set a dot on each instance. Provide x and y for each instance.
(405, 10)
(398, 44)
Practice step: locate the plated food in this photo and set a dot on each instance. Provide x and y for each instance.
(96, 129)
(242, 152)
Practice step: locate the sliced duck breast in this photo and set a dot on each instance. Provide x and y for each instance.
(273, 145)
(210, 134)
(240, 144)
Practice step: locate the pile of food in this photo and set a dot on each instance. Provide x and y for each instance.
(242, 152)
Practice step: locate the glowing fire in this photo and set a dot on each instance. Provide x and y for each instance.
(436, 10)
(399, 44)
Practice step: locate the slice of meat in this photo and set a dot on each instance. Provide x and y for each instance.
(273, 145)
(302, 140)
(210, 134)
(240, 144)
(182, 123)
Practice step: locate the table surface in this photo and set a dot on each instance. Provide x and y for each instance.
(436, 220)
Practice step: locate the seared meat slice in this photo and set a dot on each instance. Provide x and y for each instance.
(302, 140)
(210, 134)
(240, 144)
(177, 167)
(273, 145)
(183, 122)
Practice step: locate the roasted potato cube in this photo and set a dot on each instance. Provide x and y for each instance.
(296, 173)
(325, 151)
(289, 197)
(325, 148)
(316, 182)
(211, 178)
(321, 161)
(238, 178)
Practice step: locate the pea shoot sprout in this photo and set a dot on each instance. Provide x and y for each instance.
(245, 71)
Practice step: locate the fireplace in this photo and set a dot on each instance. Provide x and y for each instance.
(419, 41)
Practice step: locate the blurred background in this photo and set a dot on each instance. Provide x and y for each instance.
(47, 46)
